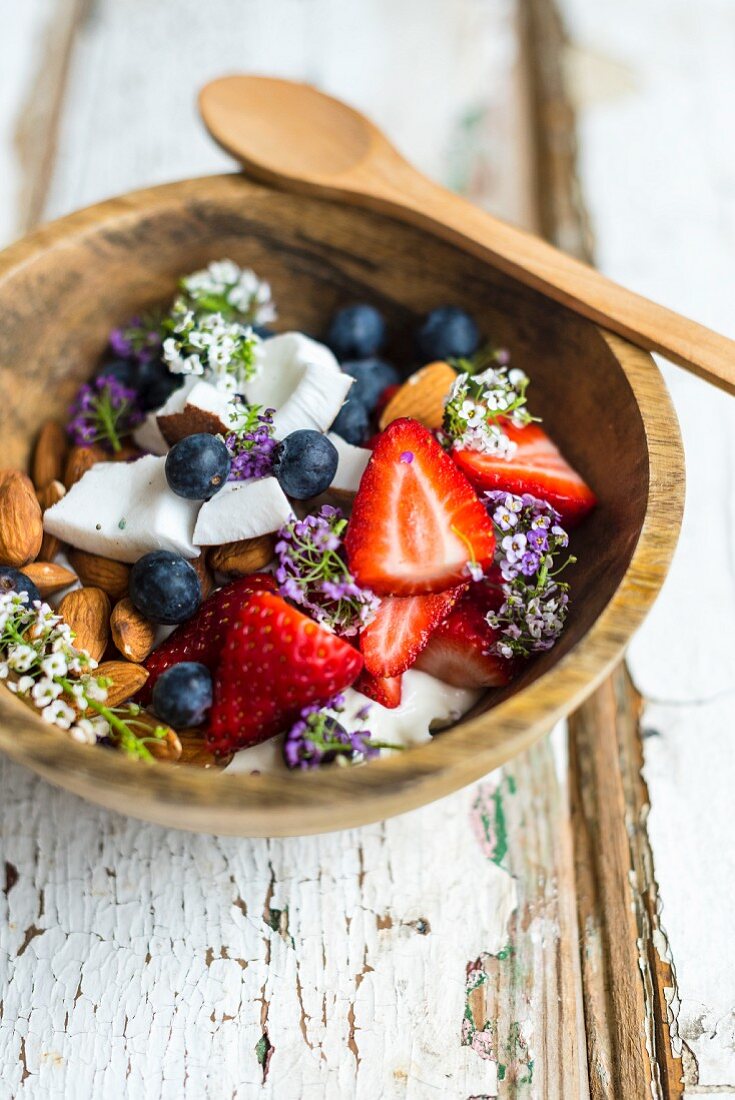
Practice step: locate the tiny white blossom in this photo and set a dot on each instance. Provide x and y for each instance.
(55, 664)
(58, 714)
(21, 657)
(45, 691)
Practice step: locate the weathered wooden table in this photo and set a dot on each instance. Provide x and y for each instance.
(562, 929)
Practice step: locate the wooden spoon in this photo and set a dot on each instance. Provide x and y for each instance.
(295, 137)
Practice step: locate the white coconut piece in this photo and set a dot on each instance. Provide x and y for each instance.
(122, 510)
(205, 409)
(301, 379)
(242, 510)
(148, 436)
(351, 464)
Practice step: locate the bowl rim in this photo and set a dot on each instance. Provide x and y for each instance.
(295, 804)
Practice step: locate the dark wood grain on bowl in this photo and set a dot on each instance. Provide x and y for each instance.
(63, 288)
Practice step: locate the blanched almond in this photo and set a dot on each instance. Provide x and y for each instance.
(133, 635)
(237, 559)
(21, 525)
(111, 576)
(48, 576)
(87, 611)
(422, 396)
(127, 680)
(49, 457)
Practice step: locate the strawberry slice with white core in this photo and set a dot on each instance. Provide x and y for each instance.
(417, 523)
(401, 628)
(459, 651)
(536, 467)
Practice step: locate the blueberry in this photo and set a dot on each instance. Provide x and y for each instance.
(305, 463)
(182, 694)
(353, 422)
(447, 333)
(197, 466)
(12, 580)
(156, 384)
(124, 371)
(356, 332)
(371, 378)
(164, 587)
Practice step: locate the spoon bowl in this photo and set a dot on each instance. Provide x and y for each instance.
(63, 288)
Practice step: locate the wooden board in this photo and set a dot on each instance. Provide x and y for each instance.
(432, 954)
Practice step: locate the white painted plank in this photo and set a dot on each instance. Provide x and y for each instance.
(151, 963)
(657, 93)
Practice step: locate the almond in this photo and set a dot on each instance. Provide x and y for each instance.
(240, 558)
(87, 611)
(48, 576)
(128, 453)
(92, 569)
(206, 580)
(81, 459)
(127, 680)
(194, 751)
(21, 524)
(50, 494)
(49, 457)
(165, 749)
(133, 635)
(422, 396)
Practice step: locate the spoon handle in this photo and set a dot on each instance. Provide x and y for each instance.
(393, 186)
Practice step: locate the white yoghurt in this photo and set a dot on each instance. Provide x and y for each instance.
(425, 702)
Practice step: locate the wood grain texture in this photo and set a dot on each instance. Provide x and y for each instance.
(106, 262)
(662, 91)
(625, 979)
(291, 135)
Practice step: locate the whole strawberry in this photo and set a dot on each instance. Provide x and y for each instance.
(275, 661)
(202, 637)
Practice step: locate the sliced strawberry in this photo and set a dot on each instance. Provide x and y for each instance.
(458, 651)
(202, 637)
(537, 467)
(384, 690)
(401, 628)
(416, 522)
(274, 662)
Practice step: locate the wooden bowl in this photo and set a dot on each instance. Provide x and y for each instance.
(65, 286)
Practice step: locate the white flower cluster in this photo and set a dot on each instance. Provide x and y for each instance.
(208, 345)
(234, 291)
(39, 662)
(477, 405)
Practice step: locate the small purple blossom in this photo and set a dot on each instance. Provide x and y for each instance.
(318, 738)
(312, 572)
(535, 603)
(103, 411)
(407, 457)
(252, 445)
(139, 339)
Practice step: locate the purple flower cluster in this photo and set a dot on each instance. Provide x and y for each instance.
(139, 339)
(103, 411)
(312, 572)
(252, 445)
(535, 604)
(318, 738)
